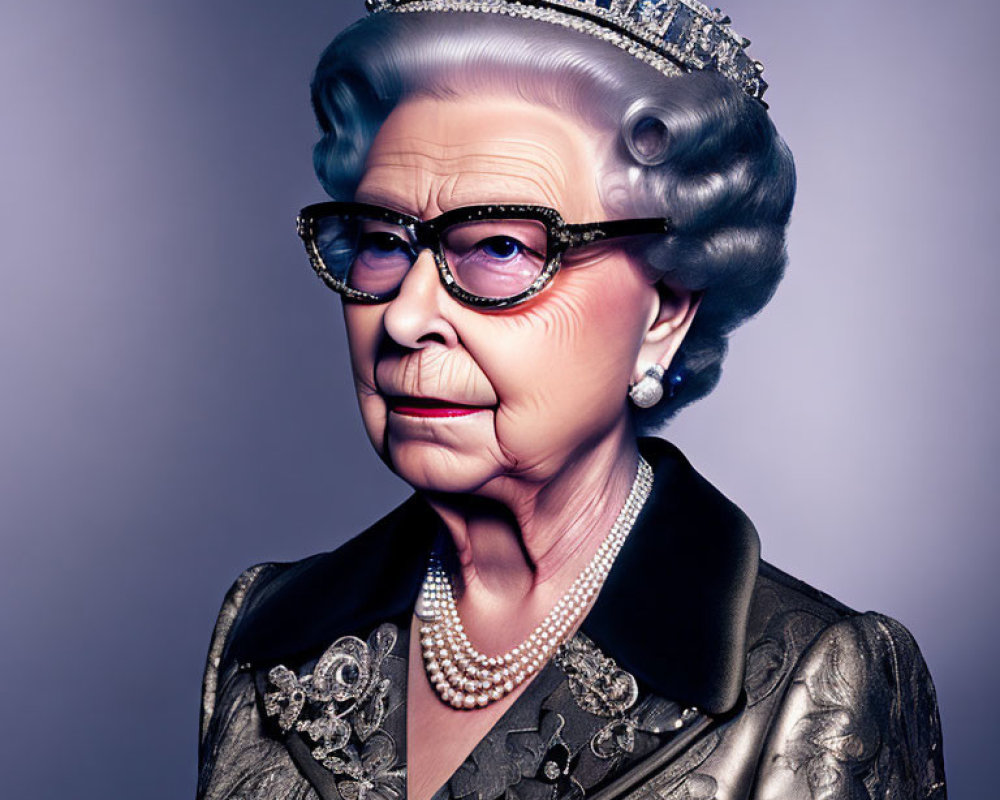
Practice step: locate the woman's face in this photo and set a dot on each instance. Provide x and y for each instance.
(459, 400)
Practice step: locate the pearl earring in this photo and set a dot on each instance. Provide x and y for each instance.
(648, 391)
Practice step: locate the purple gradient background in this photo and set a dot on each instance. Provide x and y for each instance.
(176, 402)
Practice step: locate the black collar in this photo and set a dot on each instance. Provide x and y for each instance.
(673, 611)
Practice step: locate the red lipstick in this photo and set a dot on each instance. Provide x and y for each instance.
(431, 407)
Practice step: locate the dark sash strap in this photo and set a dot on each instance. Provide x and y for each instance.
(314, 772)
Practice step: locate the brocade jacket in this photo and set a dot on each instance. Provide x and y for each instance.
(700, 673)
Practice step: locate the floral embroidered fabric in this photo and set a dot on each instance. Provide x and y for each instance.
(581, 722)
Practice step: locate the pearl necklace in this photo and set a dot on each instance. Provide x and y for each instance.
(465, 678)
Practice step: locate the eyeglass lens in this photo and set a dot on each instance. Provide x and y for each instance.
(493, 258)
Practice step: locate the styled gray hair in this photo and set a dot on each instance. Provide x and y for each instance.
(694, 148)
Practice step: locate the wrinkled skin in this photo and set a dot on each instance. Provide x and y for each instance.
(552, 373)
(529, 484)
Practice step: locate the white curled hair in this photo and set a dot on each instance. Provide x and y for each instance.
(694, 148)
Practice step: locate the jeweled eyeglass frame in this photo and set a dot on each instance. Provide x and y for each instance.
(426, 234)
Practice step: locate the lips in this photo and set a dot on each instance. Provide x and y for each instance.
(431, 407)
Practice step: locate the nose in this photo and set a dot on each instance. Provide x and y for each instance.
(414, 318)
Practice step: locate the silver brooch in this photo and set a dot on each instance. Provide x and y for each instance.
(600, 687)
(597, 683)
(339, 707)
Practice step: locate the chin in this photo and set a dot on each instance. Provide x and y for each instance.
(431, 468)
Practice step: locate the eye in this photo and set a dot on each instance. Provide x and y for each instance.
(382, 244)
(381, 259)
(495, 258)
(502, 248)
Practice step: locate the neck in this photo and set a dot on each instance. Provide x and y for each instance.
(518, 554)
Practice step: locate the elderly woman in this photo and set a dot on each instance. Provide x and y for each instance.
(548, 216)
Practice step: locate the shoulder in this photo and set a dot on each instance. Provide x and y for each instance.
(286, 611)
(854, 707)
(232, 607)
(786, 608)
(234, 759)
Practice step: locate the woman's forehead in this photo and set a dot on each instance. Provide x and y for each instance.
(432, 154)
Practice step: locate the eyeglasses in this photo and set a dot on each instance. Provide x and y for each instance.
(489, 257)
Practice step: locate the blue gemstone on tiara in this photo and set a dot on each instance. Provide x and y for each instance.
(673, 36)
(680, 24)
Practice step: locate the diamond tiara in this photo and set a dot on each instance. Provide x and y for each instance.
(673, 36)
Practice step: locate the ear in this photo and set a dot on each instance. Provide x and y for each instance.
(668, 325)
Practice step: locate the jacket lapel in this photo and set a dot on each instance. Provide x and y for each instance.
(674, 609)
(373, 578)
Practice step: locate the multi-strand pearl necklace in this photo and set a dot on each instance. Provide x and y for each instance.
(465, 678)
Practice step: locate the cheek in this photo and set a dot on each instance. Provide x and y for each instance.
(567, 360)
(364, 324)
